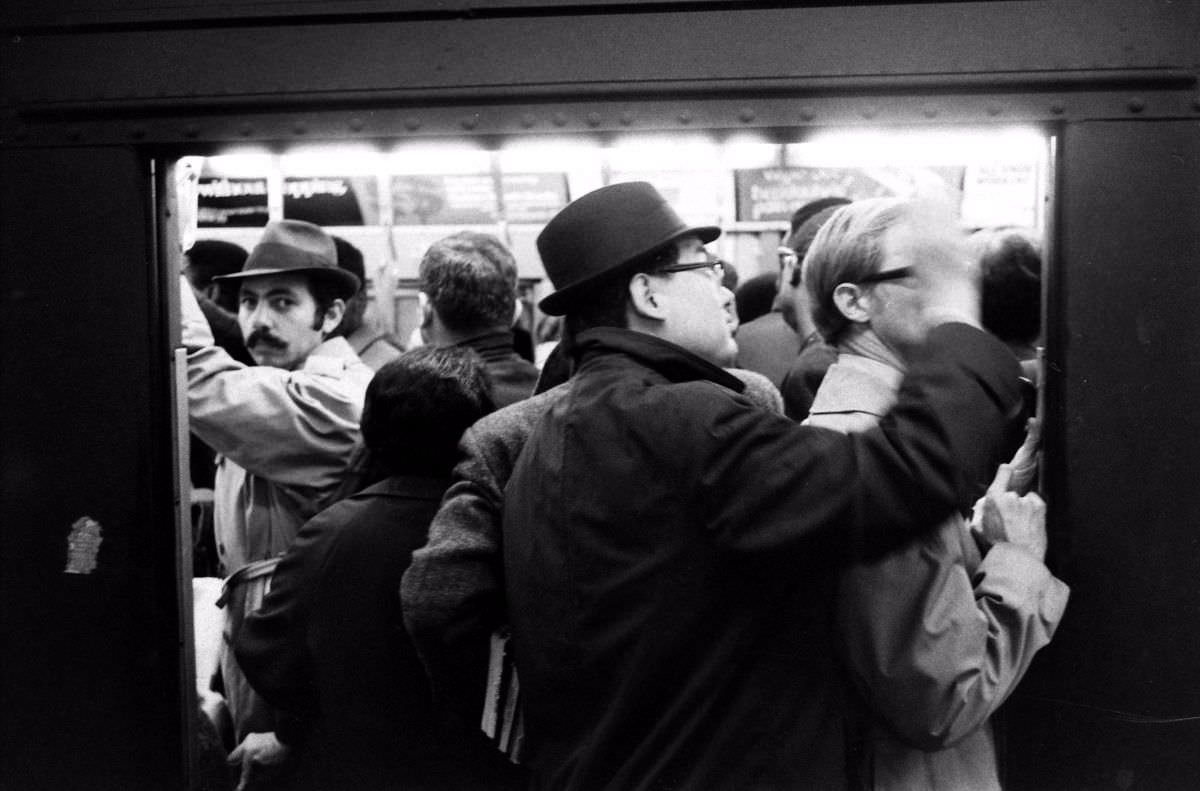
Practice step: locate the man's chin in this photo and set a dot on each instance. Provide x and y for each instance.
(272, 357)
(728, 356)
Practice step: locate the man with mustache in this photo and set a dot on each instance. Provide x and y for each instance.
(283, 429)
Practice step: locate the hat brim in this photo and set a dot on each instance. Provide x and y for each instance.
(560, 302)
(345, 283)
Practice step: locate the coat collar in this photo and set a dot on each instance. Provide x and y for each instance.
(491, 345)
(668, 359)
(857, 384)
(410, 486)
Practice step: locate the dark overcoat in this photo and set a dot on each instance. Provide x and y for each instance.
(670, 551)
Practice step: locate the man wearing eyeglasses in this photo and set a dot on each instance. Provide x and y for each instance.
(807, 368)
(669, 548)
(936, 635)
(771, 342)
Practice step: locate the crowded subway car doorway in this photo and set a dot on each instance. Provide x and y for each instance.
(392, 202)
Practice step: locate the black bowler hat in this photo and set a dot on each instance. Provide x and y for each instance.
(597, 235)
(297, 247)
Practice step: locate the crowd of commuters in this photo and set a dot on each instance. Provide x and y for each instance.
(681, 551)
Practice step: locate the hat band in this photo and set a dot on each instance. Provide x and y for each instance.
(273, 255)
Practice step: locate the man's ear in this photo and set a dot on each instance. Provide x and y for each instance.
(853, 302)
(426, 309)
(518, 309)
(644, 297)
(333, 316)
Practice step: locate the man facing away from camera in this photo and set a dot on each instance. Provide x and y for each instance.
(328, 646)
(670, 549)
(469, 299)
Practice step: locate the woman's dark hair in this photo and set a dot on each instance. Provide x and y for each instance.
(418, 406)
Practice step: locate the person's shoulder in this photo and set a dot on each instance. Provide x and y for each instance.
(520, 414)
(378, 508)
(334, 359)
(694, 402)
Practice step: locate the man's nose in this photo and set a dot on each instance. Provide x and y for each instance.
(727, 299)
(260, 316)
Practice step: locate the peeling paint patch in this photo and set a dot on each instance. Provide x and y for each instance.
(83, 545)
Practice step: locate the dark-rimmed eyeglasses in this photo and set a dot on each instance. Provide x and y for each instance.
(899, 273)
(716, 266)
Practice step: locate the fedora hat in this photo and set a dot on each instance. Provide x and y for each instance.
(297, 247)
(597, 235)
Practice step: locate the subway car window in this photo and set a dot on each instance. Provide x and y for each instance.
(391, 203)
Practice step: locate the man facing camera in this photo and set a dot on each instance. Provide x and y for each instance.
(282, 429)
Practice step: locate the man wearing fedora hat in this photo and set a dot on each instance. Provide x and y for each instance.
(283, 429)
(669, 548)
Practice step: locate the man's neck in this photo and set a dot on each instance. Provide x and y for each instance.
(438, 334)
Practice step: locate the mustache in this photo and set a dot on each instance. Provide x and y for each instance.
(265, 338)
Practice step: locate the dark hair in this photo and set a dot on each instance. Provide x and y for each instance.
(324, 292)
(419, 404)
(606, 301)
(755, 297)
(1011, 291)
(802, 237)
(471, 281)
(209, 258)
(350, 258)
(801, 215)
